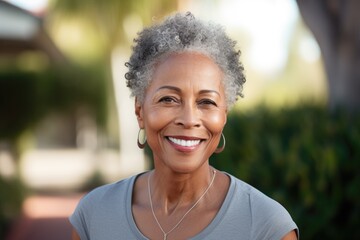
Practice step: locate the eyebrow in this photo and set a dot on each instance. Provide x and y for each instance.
(179, 90)
(169, 87)
(209, 91)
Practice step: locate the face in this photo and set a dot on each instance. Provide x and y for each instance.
(184, 111)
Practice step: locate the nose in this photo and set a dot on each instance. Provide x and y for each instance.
(188, 116)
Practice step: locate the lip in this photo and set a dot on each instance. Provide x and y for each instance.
(190, 145)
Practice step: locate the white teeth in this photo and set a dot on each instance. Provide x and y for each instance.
(184, 143)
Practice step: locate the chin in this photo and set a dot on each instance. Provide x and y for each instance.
(186, 168)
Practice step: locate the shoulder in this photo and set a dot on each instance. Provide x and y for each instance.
(95, 211)
(107, 192)
(269, 219)
(259, 203)
(256, 197)
(104, 195)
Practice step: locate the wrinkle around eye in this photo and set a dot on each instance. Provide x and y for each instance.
(207, 102)
(168, 100)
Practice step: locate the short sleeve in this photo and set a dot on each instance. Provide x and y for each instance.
(81, 218)
(270, 219)
(78, 219)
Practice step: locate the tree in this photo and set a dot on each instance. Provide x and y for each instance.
(335, 25)
(108, 18)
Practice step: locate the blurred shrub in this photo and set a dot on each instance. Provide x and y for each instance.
(26, 96)
(306, 158)
(12, 193)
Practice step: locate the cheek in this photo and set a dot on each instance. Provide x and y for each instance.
(155, 120)
(215, 122)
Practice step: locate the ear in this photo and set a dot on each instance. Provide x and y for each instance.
(139, 113)
(226, 114)
(225, 120)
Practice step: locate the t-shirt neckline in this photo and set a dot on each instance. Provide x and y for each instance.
(139, 235)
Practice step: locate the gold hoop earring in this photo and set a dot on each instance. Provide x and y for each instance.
(220, 149)
(141, 139)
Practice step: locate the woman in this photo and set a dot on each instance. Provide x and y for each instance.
(185, 75)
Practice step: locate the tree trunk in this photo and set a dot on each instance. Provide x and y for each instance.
(335, 25)
(132, 159)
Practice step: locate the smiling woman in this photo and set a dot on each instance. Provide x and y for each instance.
(185, 74)
(184, 112)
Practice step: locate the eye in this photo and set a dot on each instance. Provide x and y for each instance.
(207, 102)
(168, 99)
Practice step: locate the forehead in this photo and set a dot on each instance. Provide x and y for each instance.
(190, 67)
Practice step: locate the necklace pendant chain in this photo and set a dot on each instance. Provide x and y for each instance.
(188, 211)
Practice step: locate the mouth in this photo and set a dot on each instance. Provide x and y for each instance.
(184, 142)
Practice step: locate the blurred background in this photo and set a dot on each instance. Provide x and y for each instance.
(67, 122)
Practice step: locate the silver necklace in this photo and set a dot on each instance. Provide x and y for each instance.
(188, 211)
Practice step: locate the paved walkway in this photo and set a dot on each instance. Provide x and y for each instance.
(45, 218)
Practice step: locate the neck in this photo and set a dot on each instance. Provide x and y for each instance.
(171, 191)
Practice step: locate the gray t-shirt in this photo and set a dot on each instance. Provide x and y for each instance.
(246, 214)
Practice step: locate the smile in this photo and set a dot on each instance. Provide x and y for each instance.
(184, 143)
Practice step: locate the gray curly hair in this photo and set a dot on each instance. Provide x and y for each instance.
(183, 33)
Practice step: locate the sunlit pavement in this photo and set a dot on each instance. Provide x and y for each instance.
(45, 218)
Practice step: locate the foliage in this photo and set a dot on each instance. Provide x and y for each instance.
(108, 17)
(12, 193)
(27, 96)
(304, 157)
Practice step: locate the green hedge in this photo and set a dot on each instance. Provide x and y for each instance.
(306, 158)
(12, 193)
(26, 96)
